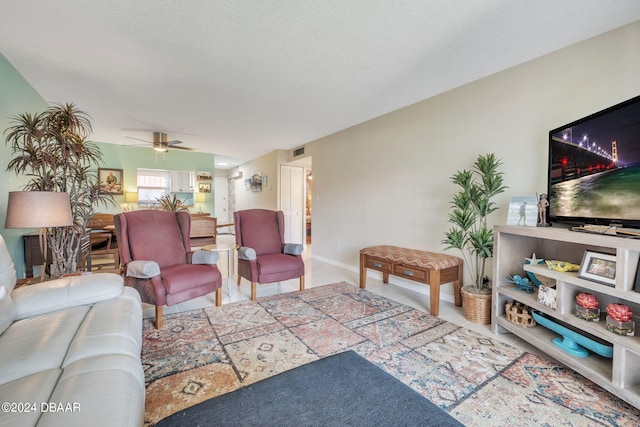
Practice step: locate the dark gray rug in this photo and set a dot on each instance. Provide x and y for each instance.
(340, 390)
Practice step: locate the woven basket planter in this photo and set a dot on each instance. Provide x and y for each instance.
(477, 307)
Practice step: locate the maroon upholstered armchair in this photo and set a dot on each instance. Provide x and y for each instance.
(263, 256)
(158, 262)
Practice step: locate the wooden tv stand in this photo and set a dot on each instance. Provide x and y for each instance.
(619, 375)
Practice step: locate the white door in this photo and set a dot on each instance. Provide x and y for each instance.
(222, 203)
(292, 203)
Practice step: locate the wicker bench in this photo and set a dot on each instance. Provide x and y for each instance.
(429, 268)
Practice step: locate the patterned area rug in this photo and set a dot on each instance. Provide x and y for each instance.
(480, 381)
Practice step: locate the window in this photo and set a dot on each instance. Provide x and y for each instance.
(152, 184)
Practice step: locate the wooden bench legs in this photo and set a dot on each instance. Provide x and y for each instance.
(433, 278)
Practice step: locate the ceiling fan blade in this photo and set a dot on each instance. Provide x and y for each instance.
(173, 147)
(174, 142)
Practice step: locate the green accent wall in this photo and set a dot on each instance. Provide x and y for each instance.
(17, 96)
(129, 159)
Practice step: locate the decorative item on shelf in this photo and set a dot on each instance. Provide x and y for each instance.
(519, 314)
(533, 261)
(564, 266)
(573, 342)
(587, 307)
(470, 234)
(547, 297)
(598, 267)
(543, 206)
(522, 282)
(619, 319)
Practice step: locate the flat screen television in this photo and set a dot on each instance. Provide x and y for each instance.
(594, 168)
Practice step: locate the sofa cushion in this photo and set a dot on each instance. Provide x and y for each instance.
(33, 389)
(109, 390)
(6, 309)
(52, 295)
(38, 343)
(182, 277)
(113, 326)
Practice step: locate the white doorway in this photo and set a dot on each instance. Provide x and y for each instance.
(221, 201)
(292, 203)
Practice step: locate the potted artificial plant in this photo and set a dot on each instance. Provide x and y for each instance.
(51, 149)
(172, 203)
(471, 206)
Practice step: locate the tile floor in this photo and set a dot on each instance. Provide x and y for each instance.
(318, 273)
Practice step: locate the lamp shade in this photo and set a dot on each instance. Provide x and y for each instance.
(131, 197)
(201, 197)
(38, 209)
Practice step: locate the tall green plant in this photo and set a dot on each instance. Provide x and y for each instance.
(469, 210)
(51, 149)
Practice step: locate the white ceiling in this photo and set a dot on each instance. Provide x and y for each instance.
(241, 78)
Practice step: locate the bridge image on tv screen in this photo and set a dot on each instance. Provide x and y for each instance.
(594, 166)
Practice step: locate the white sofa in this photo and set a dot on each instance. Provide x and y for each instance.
(70, 351)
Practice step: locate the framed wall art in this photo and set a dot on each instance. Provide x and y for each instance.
(598, 267)
(204, 187)
(110, 181)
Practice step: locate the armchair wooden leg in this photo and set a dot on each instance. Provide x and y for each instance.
(253, 291)
(302, 283)
(219, 297)
(159, 320)
(239, 278)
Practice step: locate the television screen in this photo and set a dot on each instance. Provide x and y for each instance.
(594, 168)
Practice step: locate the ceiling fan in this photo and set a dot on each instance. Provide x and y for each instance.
(161, 144)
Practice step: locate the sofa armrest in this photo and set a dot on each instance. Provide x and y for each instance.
(293, 249)
(141, 269)
(247, 253)
(204, 257)
(53, 295)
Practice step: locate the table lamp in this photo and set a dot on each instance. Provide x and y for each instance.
(131, 197)
(39, 209)
(200, 199)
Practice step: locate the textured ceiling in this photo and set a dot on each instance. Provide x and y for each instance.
(242, 78)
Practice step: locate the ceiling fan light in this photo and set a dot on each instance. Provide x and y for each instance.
(159, 146)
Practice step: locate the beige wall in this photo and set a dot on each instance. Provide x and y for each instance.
(268, 198)
(386, 181)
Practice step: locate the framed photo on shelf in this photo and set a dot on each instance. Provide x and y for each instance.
(523, 210)
(598, 267)
(110, 181)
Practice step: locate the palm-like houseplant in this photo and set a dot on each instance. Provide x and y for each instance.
(172, 203)
(471, 206)
(51, 148)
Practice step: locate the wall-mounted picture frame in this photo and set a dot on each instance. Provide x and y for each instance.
(204, 187)
(598, 267)
(110, 181)
(256, 183)
(204, 176)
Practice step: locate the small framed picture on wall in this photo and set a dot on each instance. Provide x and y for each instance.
(110, 181)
